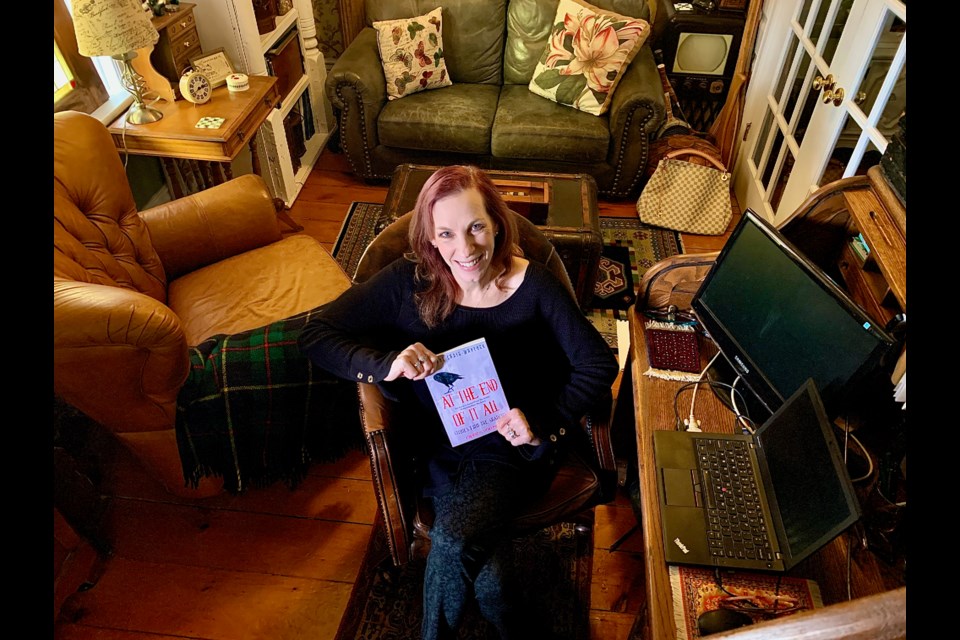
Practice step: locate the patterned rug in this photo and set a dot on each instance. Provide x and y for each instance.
(624, 239)
(644, 246)
(387, 604)
(695, 590)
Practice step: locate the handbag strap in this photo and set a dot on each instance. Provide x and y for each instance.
(695, 152)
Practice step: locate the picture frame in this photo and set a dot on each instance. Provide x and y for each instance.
(215, 65)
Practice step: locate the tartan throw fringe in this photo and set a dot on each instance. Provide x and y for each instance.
(254, 410)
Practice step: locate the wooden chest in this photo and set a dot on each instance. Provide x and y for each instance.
(179, 41)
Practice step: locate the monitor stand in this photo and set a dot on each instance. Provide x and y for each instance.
(747, 402)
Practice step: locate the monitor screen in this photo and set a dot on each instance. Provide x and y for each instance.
(778, 319)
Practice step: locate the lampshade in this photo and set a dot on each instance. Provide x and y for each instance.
(112, 27)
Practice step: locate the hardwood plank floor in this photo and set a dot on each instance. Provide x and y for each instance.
(276, 564)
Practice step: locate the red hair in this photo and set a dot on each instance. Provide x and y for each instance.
(438, 298)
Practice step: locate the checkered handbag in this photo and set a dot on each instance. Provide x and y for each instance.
(687, 197)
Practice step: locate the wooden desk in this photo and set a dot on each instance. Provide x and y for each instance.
(653, 401)
(208, 152)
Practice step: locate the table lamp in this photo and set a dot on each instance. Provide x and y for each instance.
(117, 28)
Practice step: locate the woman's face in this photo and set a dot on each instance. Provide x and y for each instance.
(464, 234)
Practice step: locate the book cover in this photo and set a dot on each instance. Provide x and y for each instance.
(467, 393)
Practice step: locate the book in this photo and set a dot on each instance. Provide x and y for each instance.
(467, 393)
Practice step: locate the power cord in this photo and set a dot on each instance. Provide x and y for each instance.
(847, 436)
(692, 423)
(712, 383)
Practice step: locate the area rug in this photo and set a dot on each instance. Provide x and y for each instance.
(630, 248)
(387, 602)
(644, 246)
(695, 590)
(364, 220)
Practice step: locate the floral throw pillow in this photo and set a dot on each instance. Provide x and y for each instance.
(588, 51)
(411, 51)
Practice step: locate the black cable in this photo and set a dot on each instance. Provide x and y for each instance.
(712, 383)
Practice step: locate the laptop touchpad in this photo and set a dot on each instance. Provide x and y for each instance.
(678, 487)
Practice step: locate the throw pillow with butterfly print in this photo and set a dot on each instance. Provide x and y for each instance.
(411, 52)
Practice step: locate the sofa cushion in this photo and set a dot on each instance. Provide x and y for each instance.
(457, 119)
(256, 288)
(588, 51)
(527, 126)
(473, 33)
(411, 52)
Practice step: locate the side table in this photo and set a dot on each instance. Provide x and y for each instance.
(208, 152)
(563, 206)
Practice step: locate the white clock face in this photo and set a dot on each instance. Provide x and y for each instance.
(195, 87)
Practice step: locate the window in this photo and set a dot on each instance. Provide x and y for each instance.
(91, 85)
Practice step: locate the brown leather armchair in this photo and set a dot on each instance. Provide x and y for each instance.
(588, 476)
(132, 291)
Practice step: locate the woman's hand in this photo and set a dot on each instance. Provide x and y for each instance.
(415, 362)
(514, 427)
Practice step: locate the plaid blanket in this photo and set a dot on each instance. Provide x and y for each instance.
(254, 410)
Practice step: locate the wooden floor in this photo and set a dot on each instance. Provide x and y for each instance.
(276, 564)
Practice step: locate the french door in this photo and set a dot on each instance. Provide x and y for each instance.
(826, 94)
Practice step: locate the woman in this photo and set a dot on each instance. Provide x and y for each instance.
(466, 278)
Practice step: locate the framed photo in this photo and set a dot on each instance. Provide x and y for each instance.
(215, 65)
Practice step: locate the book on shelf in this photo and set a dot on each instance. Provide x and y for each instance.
(466, 391)
(860, 248)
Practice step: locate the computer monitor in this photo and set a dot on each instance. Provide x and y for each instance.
(778, 319)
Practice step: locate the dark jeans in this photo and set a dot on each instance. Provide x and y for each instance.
(469, 553)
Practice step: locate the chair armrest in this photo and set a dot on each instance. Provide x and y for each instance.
(212, 225)
(387, 468)
(357, 90)
(119, 356)
(597, 425)
(674, 280)
(636, 112)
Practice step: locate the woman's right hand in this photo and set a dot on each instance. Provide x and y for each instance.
(415, 362)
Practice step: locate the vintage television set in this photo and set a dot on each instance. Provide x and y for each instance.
(778, 319)
(699, 50)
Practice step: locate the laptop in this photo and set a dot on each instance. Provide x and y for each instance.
(794, 493)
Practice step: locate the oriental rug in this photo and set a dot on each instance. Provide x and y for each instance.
(629, 248)
(761, 596)
(387, 602)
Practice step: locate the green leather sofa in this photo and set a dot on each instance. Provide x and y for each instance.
(488, 117)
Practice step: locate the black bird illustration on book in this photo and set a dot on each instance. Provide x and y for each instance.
(447, 378)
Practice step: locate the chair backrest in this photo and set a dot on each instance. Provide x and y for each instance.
(391, 243)
(98, 236)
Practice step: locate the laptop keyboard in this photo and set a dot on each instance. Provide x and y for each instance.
(735, 524)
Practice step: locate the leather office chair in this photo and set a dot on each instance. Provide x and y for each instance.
(132, 291)
(587, 477)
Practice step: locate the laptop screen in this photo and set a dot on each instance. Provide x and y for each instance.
(806, 479)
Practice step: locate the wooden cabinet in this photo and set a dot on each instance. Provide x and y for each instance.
(179, 41)
(824, 228)
(286, 161)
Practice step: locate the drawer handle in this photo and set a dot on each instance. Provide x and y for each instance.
(186, 44)
(184, 24)
(241, 135)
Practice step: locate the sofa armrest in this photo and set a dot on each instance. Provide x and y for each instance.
(636, 112)
(119, 356)
(212, 225)
(357, 89)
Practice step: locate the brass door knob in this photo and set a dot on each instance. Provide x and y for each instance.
(823, 83)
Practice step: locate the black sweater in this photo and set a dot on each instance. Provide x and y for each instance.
(552, 363)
